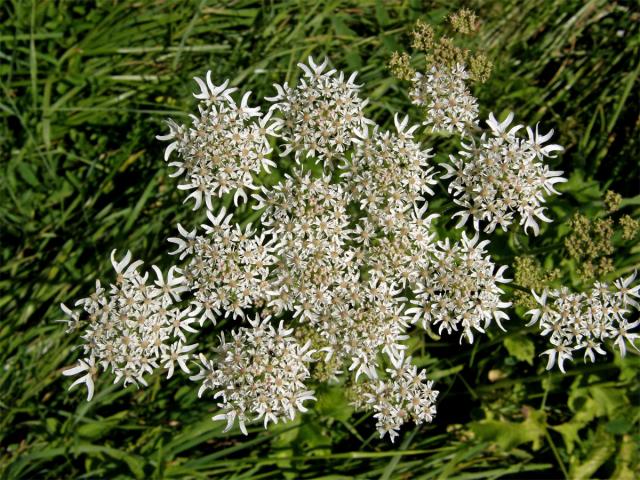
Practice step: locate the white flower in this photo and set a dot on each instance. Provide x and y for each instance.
(622, 334)
(388, 173)
(90, 370)
(172, 287)
(177, 352)
(124, 269)
(447, 102)
(625, 294)
(186, 244)
(560, 352)
(131, 328)
(536, 140)
(503, 175)
(576, 321)
(213, 93)
(259, 375)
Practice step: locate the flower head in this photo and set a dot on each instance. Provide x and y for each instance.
(585, 322)
(320, 115)
(225, 145)
(258, 374)
(132, 329)
(501, 176)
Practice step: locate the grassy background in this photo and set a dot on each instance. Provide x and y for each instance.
(85, 87)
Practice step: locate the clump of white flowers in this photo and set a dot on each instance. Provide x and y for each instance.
(458, 290)
(497, 177)
(225, 144)
(227, 269)
(405, 396)
(344, 259)
(388, 172)
(133, 328)
(583, 322)
(446, 100)
(258, 375)
(320, 114)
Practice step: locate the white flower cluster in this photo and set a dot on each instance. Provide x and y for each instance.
(448, 104)
(133, 328)
(585, 321)
(405, 395)
(502, 175)
(348, 258)
(308, 218)
(228, 267)
(320, 114)
(318, 275)
(258, 375)
(224, 146)
(458, 290)
(388, 172)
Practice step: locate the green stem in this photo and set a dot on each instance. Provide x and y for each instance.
(556, 454)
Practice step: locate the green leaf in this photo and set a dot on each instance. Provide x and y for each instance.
(332, 403)
(589, 403)
(98, 429)
(521, 348)
(341, 27)
(381, 14)
(604, 446)
(27, 173)
(314, 439)
(288, 436)
(509, 435)
(619, 426)
(569, 432)
(610, 400)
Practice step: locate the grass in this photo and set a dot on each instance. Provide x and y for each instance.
(84, 89)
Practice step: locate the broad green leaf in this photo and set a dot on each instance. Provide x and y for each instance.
(521, 348)
(332, 403)
(509, 435)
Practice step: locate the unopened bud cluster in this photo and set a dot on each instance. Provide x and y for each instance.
(442, 91)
